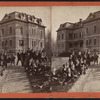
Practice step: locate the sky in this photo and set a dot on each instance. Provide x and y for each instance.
(39, 12)
(62, 14)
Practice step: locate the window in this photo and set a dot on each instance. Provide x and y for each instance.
(5, 43)
(2, 43)
(30, 18)
(10, 42)
(70, 45)
(41, 34)
(19, 16)
(2, 31)
(70, 36)
(32, 44)
(74, 36)
(34, 32)
(80, 34)
(94, 41)
(58, 37)
(87, 30)
(41, 44)
(21, 30)
(81, 44)
(10, 30)
(63, 45)
(90, 42)
(86, 42)
(58, 45)
(21, 42)
(95, 29)
(75, 44)
(62, 36)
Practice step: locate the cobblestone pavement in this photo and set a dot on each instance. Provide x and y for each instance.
(90, 82)
(15, 80)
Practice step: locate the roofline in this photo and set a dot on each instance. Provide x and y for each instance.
(65, 28)
(21, 21)
(91, 20)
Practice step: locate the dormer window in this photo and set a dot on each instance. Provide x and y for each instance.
(24, 17)
(19, 16)
(37, 21)
(9, 16)
(30, 18)
(91, 15)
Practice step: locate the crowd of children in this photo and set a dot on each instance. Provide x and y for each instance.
(76, 65)
(37, 64)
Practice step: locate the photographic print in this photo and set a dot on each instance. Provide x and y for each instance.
(24, 49)
(76, 48)
(49, 50)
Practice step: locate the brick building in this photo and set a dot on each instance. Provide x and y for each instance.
(82, 35)
(20, 31)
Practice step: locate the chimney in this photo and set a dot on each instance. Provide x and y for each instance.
(80, 20)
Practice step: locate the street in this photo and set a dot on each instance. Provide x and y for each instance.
(15, 80)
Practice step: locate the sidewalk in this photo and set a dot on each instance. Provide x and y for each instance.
(15, 81)
(88, 82)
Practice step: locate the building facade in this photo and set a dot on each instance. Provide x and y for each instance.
(20, 31)
(83, 35)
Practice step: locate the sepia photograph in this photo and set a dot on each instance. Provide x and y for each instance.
(76, 48)
(50, 49)
(25, 60)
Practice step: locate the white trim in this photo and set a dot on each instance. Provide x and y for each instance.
(92, 35)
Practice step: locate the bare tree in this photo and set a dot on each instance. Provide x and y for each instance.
(48, 44)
